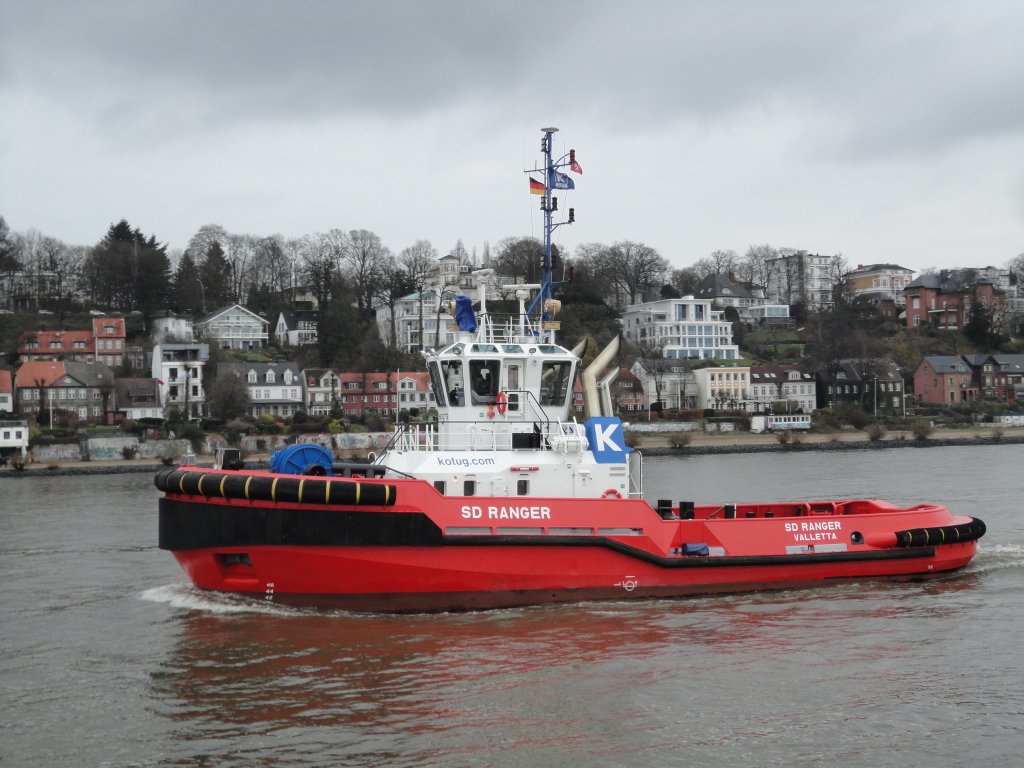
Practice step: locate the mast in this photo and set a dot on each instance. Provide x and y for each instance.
(553, 180)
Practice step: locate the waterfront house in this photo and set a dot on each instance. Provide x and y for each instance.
(138, 399)
(13, 439)
(6, 393)
(872, 384)
(944, 379)
(49, 389)
(782, 386)
(275, 389)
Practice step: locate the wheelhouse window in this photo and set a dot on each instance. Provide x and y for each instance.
(556, 378)
(451, 375)
(483, 376)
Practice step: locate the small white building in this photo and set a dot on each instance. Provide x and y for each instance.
(13, 439)
(171, 328)
(234, 327)
(296, 328)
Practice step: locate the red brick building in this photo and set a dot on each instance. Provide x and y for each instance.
(944, 379)
(945, 301)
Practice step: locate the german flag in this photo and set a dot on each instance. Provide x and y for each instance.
(536, 188)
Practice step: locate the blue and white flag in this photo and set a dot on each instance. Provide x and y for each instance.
(558, 180)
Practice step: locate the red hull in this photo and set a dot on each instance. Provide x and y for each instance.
(467, 578)
(401, 546)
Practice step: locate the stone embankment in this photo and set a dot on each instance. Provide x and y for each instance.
(650, 444)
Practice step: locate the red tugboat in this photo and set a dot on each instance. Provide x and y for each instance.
(506, 500)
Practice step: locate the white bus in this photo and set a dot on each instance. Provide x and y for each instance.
(779, 423)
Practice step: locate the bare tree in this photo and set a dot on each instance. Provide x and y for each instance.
(755, 266)
(637, 268)
(319, 261)
(419, 262)
(240, 251)
(363, 256)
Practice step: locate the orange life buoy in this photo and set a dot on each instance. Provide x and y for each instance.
(611, 493)
(490, 411)
(502, 402)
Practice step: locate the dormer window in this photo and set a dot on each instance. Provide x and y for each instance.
(269, 377)
(251, 378)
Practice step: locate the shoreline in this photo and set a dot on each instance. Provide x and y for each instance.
(649, 444)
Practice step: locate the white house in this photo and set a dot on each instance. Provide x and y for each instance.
(723, 388)
(138, 398)
(775, 383)
(13, 438)
(178, 370)
(321, 389)
(296, 328)
(681, 328)
(671, 379)
(234, 327)
(407, 320)
(170, 327)
(274, 388)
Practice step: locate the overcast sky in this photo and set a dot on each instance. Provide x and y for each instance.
(886, 131)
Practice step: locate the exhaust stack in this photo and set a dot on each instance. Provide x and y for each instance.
(590, 396)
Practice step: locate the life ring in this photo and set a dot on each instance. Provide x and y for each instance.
(611, 493)
(490, 411)
(502, 402)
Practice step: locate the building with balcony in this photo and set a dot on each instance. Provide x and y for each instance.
(946, 300)
(233, 327)
(179, 372)
(801, 277)
(680, 329)
(879, 281)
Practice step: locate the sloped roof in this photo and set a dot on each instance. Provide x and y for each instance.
(6, 381)
(36, 373)
(292, 317)
(90, 374)
(947, 363)
(714, 286)
(218, 312)
(136, 391)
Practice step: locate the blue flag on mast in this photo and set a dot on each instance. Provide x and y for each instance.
(558, 180)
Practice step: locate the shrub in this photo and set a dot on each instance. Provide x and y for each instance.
(680, 439)
(632, 439)
(52, 464)
(876, 432)
(784, 436)
(922, 429)
(997, 434)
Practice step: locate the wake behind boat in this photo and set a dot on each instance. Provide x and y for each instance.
(508, 500)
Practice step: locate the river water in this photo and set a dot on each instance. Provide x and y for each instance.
(109, 658)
